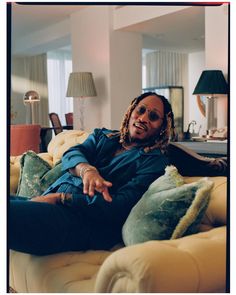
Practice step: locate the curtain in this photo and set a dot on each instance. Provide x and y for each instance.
(19, 85)
(29, 73)
(59, 66)
(164, 68)
(38, 82)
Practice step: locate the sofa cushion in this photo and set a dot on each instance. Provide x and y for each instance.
(169, 180)
(67, 272)
(168, 210)
(36, 175)
(216, 213)
(63, 141)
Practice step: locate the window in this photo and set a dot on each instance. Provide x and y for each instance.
(59, 67)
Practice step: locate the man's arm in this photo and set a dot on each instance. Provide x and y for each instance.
(79, 161)
(82, 153)
(127, 196)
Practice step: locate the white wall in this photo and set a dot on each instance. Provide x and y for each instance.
(90, 53)
(196, 63)
(216, 44)
(215, 57)
(113, 57)
(125, 73)
(216, 47)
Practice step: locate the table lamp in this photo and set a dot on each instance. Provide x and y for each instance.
(31, 97)
(81, 84)
(210, 84)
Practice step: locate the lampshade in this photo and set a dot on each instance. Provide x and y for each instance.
(81, 84)
(31, 96)
(211, 82)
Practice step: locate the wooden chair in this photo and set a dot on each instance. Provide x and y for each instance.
(56, 123)
(69, 119)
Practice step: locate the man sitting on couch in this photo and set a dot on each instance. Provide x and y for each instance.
(104, 178)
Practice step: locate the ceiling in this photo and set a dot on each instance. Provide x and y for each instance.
(182, 30)
(29, 18)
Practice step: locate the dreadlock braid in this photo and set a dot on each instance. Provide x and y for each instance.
(124, 131)
(162, 139)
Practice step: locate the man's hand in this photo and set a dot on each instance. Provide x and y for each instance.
(92, 181)
(54, 198)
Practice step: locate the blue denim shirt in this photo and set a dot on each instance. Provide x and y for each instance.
(130, 172)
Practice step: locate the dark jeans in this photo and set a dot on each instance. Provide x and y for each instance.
(42, 228)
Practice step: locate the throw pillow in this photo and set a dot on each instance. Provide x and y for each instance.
(168, 210)
(170, 179)
(36, 175)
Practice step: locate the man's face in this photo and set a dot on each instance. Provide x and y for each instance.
(146, 119)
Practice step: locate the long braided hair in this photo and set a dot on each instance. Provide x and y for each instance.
(161, 140)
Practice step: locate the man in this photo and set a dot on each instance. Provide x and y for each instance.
(104, 178)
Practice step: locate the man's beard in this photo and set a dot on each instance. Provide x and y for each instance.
(141, 141)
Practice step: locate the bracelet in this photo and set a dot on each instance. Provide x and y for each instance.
(85, 169)
(66, 198)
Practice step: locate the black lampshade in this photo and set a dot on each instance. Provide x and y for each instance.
(211, 82)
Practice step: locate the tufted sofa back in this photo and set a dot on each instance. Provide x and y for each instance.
(216, 214)
(63, 141)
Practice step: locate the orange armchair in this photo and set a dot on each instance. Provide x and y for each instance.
(24, 138)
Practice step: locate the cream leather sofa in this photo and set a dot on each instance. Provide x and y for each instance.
(195, 263)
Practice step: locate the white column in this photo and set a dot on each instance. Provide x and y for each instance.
(216, 46)
(114, 58)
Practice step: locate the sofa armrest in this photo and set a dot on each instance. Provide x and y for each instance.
(198, 165)
(195, 263)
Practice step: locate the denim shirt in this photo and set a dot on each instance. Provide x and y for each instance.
(130, 172)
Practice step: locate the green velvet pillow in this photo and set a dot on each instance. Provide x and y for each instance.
(168, 210)
(36, 175)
